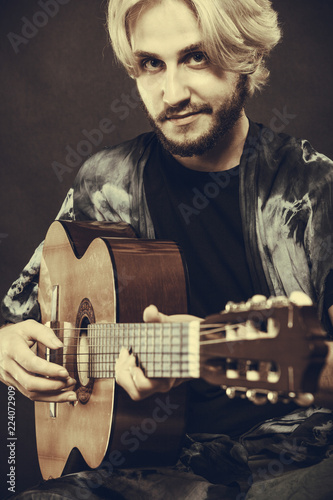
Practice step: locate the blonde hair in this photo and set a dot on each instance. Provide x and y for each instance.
(238, 35)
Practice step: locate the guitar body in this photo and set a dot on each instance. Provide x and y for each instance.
(101, 273)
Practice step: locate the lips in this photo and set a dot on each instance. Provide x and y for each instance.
(185, 119)
(180, 117)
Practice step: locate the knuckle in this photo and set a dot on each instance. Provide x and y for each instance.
(135, 396)
(36, 363)
(28, 387)
(29, 323)
(4, 376)
(5, 368)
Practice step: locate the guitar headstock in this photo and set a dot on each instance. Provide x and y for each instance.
(264, 349)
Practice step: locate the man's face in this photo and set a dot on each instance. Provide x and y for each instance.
(190, 102)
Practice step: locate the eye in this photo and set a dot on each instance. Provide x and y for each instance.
(151, 65)
(197, 59)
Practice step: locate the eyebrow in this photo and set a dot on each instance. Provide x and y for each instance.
(194, 47)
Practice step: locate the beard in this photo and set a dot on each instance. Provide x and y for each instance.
(224, 119)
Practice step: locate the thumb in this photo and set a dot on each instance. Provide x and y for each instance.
(152, 315)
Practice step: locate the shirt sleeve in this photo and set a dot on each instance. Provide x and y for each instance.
(20, 302)
(319, 231)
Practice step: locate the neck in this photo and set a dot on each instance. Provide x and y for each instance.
(164, 349)
(225, 155)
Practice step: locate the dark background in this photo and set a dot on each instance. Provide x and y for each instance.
(64, 80)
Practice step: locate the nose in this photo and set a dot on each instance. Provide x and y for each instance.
(175, 88)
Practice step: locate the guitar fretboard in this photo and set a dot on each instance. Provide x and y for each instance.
(163, 349)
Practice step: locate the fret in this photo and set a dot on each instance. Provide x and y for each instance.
(102, 344)
(163, 349)
(89, 354)
(91, 334)
(96, 350)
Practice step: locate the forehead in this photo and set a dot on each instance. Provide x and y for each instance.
(164, 28)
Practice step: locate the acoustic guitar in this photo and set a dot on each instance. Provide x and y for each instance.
(95, 281)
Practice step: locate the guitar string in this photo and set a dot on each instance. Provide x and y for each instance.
(213, 328)
(136, 342)
(138, 345)
(263, 336)
(145, 354)
(148, 368)
(136, 324)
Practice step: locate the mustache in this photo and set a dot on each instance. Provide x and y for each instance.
(186, 108)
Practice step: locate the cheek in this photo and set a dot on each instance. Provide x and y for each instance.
(210, 85)
(150, 89)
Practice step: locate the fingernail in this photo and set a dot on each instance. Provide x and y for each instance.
(123, 352)
(70, 381)
(72, 397)
(63, 373)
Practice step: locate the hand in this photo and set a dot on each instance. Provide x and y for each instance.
(36, 378)
(131, 377)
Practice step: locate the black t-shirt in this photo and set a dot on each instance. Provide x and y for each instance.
(200, 211)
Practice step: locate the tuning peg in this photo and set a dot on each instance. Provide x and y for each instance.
(279, 300)
(231, 368)
(300, 299)
(304, 399)
(230, 306)
(236, 307)
(257, 300)
(273, 374)
(273, 397)
(257, 397)
(252, 371)
(235, 392)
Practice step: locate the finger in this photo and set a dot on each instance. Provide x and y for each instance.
(33, 331)
(123, 358)
(24, 357)
(152, 315)
(123, 375)
(45, 396)
(147, 386)
(124, 362)
(17, 345)
(33, 383)
(131, 378)
(63, 397)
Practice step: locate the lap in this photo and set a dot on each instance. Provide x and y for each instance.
(163, 484)
(287, 458)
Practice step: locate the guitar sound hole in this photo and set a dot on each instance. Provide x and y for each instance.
(85, 316)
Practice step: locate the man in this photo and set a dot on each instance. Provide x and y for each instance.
(195, 64)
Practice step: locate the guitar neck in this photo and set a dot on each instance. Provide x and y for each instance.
(163, 349)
